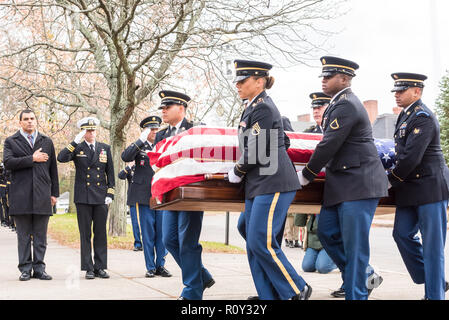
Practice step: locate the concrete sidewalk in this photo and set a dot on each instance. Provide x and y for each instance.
(230, 271)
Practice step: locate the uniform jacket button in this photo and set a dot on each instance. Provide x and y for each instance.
(98, 183)
(88, 183)
(88, 168)
(418, 176)
(88, 175)
(344, 167)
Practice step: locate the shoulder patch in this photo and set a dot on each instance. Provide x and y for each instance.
(423, 114)
(334, 125)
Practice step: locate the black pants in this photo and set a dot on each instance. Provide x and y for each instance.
(31, 229)
(97, 215)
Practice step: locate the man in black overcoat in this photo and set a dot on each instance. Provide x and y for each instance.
(34, 188)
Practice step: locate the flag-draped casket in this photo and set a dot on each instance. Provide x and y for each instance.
(183, 165)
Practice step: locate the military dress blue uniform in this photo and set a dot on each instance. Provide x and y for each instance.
(139, 201)
(94, 182)
(355, 181)
(420, 180)
(270, 187)
(181, 229)
(127, 174)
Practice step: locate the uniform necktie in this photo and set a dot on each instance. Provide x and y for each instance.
(92, 151)
(30, 137)
(172, 131)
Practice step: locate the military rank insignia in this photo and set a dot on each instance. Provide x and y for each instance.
(334, 125)
(256, 129)
(103, 156)
(417, 131)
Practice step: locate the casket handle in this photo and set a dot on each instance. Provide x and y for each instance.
(210, 176)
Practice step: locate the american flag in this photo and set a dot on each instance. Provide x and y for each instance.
(187, 157)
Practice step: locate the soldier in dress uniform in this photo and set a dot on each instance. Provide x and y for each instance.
(181, 229)
(94, 192)
(420, 180)
(139, 198)
(127, 174)
(355, 179)
(320, 101)
(270, 186)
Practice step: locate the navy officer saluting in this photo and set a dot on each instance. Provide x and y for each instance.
(420, 180)
(270, 185)
(94, 191)
(181, 229)
(139, 198)
(355, 178)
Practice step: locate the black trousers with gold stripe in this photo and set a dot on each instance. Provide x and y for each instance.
(96, 215)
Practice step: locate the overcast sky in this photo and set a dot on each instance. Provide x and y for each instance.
(383, 37)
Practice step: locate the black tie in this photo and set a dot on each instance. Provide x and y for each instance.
(172, 131)
(92, 151)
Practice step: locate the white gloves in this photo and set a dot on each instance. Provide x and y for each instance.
(144, 135)
(79, 137)
(303, 181)
(233, 178)
(389, 185)
(108, 200)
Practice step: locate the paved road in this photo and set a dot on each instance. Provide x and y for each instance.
(231, 271)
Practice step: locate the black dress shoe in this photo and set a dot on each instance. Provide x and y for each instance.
(253, 298)
(25, 276)
(100, 273)
(42, 276)
(305, 293)
(161, 271)
(182, 298)
(340, 293)
(150, 274)
(374, 281)
(90, 275)
(208, 284)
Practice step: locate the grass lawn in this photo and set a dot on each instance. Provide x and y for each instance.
(64, 229)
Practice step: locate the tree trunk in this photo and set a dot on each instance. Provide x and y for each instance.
(117, 210)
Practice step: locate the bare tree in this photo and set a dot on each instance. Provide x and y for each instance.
(108, 58)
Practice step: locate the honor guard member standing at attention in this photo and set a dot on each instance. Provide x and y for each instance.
(355, 179)
(127, 174)
(34, 189)
(270, 186)
(94, 191)
(320, 101)
(139, 198)
(420, 180)
(181, 229)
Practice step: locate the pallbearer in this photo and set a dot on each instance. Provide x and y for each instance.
(420, 180)
(181, 229)
(94, 191)
(355, 178)
(270, 185)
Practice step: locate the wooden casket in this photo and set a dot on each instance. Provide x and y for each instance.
(220, 195)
